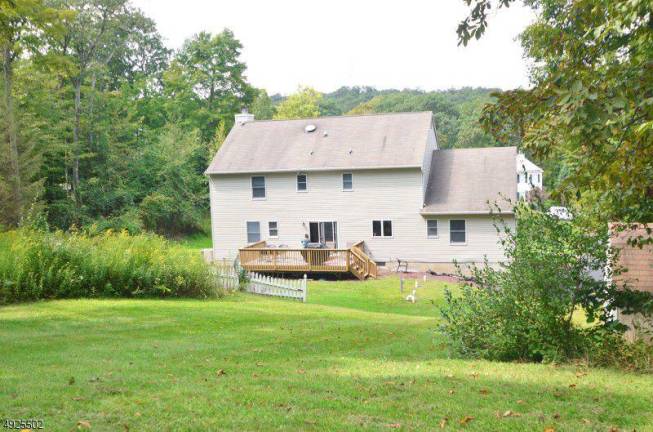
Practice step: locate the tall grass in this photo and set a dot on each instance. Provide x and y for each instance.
(40, 265)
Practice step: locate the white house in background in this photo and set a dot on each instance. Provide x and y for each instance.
(529, 176)
(380, 179)
(561, 212)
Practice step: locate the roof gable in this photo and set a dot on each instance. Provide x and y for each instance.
(523, 164)
(346, 142)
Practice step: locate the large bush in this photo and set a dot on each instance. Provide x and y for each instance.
(549, 301)
(40, 265)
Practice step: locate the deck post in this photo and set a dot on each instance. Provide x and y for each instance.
(348, 257)
(305, 290)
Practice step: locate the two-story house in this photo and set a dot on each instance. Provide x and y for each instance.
(379, 179)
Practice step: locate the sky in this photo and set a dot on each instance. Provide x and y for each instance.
(329, 44)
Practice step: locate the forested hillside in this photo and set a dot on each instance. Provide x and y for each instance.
(103, 126)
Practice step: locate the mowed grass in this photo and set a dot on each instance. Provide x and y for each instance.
(356, 357)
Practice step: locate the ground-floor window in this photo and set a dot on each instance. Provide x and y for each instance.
(253, 232)
(273, 229)
(457, 231)
(381, 228)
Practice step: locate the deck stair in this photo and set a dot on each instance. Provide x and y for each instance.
(261, 257)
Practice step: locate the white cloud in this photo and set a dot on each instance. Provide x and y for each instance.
(327, 44)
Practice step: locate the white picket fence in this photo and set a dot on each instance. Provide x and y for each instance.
(277, 287)
(227, 277)
(264, 285)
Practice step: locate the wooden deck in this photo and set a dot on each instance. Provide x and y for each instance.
(260, 257)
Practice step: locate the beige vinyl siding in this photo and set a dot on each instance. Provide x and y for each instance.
(394, 195)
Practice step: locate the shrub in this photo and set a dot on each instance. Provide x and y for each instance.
(129, 221)
(525, 310)
(40, 265)
(166, 215)
(609, 348)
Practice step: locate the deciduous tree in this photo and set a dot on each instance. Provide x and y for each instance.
(303, 104)
(591, 103)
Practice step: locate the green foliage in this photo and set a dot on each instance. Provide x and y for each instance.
(206, 84)
(262, 107)
(178, 198)
(591, 105)
(346, 99)
(303, 104)
(39, 265)
(525, 310)
(23, 25)
(130, 221)
(108, 133)
(456, 113)
(610, 349)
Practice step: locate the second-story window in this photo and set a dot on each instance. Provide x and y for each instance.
(258, 187)
(347, 182)
(302, 182)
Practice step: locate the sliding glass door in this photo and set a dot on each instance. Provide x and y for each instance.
(325, 233)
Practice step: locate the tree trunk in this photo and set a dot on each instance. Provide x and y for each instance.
(91, 99)
(76, 129)
(12, 135)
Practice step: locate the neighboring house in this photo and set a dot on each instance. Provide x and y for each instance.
(639, 275)
(380, 179)
(560, 212)
(529, 176)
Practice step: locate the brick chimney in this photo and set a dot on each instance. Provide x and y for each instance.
(244, 117)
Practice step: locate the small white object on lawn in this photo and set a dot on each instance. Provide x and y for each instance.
(411, 297)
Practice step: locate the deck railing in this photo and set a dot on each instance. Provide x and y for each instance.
(259, 257)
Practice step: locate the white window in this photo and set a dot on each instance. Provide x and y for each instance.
(302, 182)
(381, 228)
(258, 187)
(253, 232)
(273, 229)
(347, 182)
(432, 228)
(457, 231)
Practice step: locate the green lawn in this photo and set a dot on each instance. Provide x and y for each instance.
(356, 357)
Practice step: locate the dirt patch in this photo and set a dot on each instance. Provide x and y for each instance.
(388, 272)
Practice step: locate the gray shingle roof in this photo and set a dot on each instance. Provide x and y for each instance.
(462, 181)
(351, 142)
